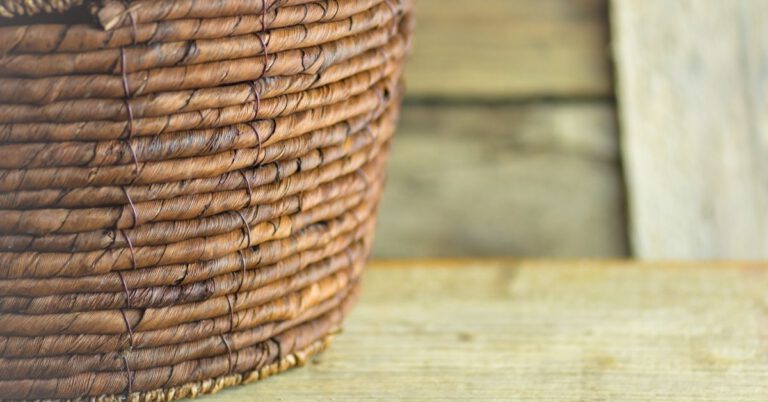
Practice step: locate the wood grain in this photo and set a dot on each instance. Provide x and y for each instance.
(510, 49)
(549, 331)
(693, 89)
(498, 180)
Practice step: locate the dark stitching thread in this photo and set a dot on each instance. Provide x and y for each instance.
(126, 88)
(245, 267)
(258, 145)
(257, 96)
(257, 106)
(277, 173)
(229, 352)
(231, 315)
(248, 187)
(300, 197)
(130, 247)
(129, 387)
(128, 326)
(129, 110)
(260, 35)
(133, 207)
(134, 30)
(125, 288)
(247, 227)
(134, 156)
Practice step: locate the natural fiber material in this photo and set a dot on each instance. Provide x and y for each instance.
(188, 189)
(12, 8)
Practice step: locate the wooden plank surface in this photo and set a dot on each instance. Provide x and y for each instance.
(693, 89)
(526, 179)
(510, 49)
(547, 331)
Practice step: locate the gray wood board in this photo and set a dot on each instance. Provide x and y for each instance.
(539, 179)
(510, 49)
(693, 89)
(522, 331)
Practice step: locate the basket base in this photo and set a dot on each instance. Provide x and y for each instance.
(214, 385)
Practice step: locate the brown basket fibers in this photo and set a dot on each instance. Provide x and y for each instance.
(188, 189)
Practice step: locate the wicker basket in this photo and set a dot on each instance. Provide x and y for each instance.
(187, 188)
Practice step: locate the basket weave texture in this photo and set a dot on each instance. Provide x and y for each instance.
(187, 188)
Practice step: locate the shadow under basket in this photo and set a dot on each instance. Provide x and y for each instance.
(188, 188)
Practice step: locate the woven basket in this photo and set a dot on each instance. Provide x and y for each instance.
(187, 188)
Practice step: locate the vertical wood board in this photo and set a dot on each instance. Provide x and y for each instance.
(693, 89)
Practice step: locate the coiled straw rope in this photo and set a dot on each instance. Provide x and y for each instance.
(188, 189)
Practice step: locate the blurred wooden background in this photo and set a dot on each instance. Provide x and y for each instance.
(693, 90)
(508, 141)
(515, 141)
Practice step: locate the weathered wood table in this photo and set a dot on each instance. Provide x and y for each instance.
(544, 331)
